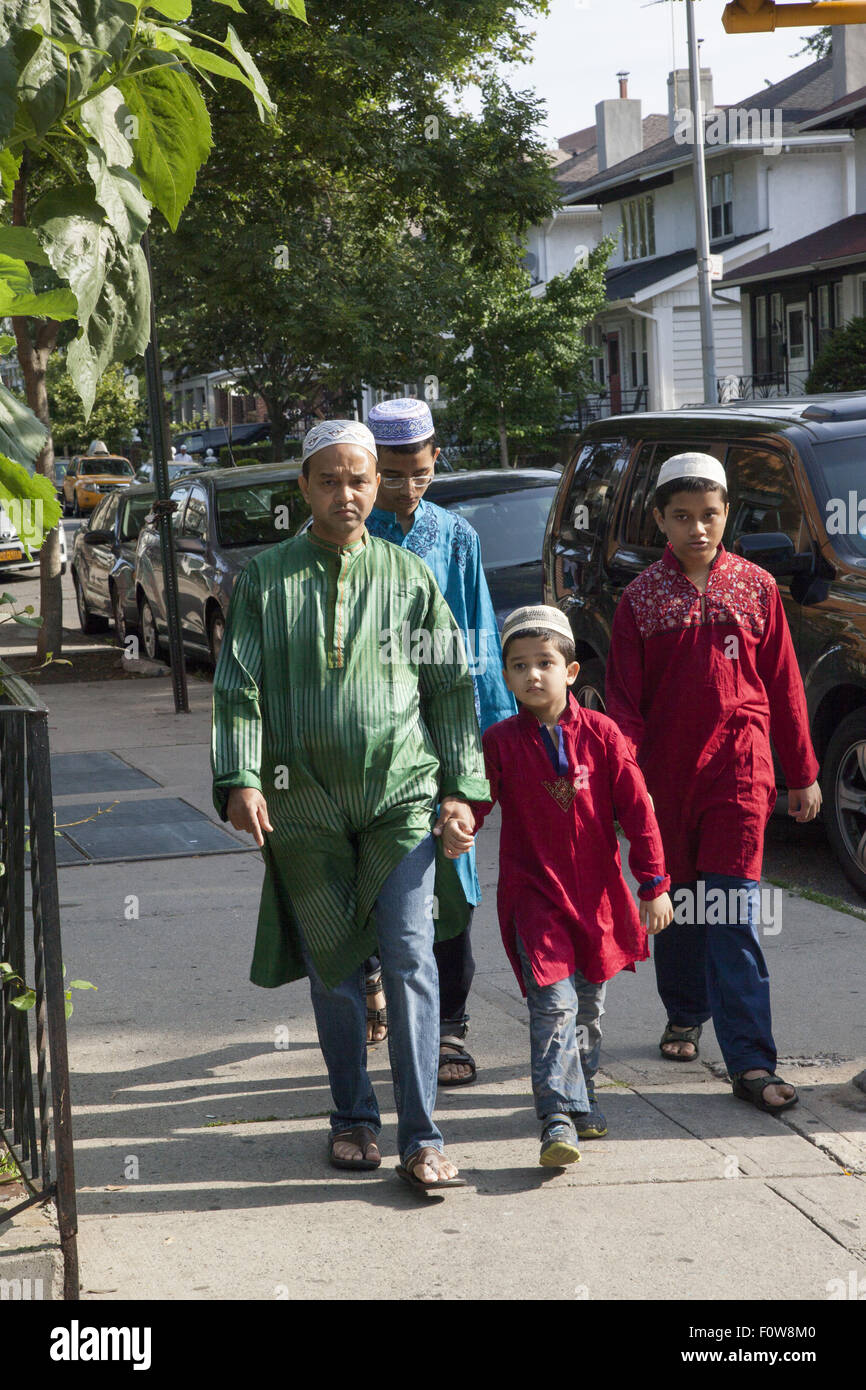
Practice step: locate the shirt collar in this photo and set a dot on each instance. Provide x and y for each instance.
(331, 549)
(382, 517)
(570, 715)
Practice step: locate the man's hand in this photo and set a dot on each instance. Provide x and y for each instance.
(805, 804)
(455, 826)
(657, 914)
(247, 810)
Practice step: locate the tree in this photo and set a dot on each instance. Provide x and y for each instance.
(335, 248)
(117, 408)
(818, 44)
(841, 363)
(511, 354)
(101, 121)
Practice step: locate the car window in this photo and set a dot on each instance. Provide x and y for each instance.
(135, 509)
(640, 524)
(259, 514)
(593, 486)
(762, 494)
(195, 516)
(838, 492)
(99, 516)
(510, 524)
(178, 495)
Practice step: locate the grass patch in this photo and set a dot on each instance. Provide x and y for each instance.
(825, 899)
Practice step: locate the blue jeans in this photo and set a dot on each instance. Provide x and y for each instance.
(564, 1038)
(404, 923)
(717, 970)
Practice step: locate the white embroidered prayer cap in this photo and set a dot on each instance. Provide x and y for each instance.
(337, 432)
(404, 421)
(692, 465)
(541, 616)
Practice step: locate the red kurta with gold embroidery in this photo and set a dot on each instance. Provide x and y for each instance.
(698, 683)
(560, 879)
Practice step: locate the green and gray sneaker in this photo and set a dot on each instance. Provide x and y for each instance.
(558, 1143)
(590, 1124)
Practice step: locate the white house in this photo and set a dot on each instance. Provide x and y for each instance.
(774, 172)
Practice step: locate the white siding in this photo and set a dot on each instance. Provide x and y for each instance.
(688, 364)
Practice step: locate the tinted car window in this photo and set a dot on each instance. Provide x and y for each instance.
(195, 516)
(593, 487)
(135, 509)
(839, 489)
(119, 468)
(509, 524)
(248, 515)
(102, 516)
(762, 494)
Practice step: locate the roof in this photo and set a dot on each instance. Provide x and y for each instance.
(845, 114)
(741, 416)
(625, 281)
(477, 481)
(243, 473)
(798, 96)
(584, 163)
(840, 242)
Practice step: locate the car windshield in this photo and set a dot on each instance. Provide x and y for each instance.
(510, 524)
(114, 468)
(841, 494)
(246, 515)
(135, 510)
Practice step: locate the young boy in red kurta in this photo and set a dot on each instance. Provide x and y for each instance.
(701, 672)
(562, 775)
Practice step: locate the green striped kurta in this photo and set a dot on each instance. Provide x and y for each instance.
(342, 693)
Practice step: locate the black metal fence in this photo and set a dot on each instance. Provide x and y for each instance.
(34, 1068)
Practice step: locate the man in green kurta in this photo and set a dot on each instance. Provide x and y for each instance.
(343, 714)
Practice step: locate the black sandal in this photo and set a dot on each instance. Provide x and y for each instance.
(362, 1138)
(376, 1018)
(459, 1055)
(752, 1088)
(685, 1035)
(406, 1171)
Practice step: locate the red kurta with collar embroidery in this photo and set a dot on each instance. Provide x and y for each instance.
(698, 683)
(560, 878)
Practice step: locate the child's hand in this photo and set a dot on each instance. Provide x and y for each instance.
(804, 804)
(456, 839)
(658, 914)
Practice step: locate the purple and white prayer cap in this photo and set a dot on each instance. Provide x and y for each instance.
(404, 421)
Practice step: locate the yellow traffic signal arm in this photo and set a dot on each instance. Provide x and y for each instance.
(763, 16)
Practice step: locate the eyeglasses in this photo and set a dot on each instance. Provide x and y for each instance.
(418, 483)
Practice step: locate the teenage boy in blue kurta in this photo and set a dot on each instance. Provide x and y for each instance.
(448, 545)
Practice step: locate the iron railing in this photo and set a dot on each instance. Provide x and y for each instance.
(32, 1108)
(578, 411)
(765, 387)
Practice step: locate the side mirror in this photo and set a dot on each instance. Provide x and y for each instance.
(189, 545)
(99, 538)
(773, 551)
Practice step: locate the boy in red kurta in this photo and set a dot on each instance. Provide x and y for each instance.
(562, 775)
(701, 672)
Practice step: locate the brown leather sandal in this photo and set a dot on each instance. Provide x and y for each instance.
(376, 1018)
(406, 1171)
(363, 1138)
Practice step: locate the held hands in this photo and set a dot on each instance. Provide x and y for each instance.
(247, 810)
(805, 804)
(455, 826)
(657, 914)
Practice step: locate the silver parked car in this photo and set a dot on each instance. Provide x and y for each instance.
(103, 561)
(224, 517)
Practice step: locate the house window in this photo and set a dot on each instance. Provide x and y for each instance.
(721, 205)
(592, 334)
(638, 228)
(639, 356)
(769, 336)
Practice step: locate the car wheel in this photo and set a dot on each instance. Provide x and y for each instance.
(843, 786)
(119, 616)
(588, 689)
(149, 634)
(63, 569)
(87, 621)
(216, 631)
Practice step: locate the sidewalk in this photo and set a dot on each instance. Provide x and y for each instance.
(199, 1103)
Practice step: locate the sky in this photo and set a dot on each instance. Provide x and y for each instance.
(582, 44)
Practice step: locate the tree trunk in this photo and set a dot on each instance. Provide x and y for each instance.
(33, 355)
(503, 441)
(278, 427)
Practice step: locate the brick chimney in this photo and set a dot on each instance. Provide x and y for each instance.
(619, 127)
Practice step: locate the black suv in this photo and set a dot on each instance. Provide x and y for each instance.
(797, 490)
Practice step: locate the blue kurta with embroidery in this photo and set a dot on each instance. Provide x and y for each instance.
(450, 547)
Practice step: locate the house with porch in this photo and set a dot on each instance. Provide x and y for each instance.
(771, 175)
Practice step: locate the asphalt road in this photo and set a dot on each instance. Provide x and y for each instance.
(797, 855)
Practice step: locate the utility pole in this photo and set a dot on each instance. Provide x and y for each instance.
(708, 350)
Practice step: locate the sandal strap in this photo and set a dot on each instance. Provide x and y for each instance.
(373, 983)
(421, 1156)
(687, 1035)
(361, 1137)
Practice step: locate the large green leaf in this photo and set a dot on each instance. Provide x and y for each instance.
(22, 435)
(297, 8)
(119, 327)
(174, 134)
(17, 296)
(264, 105)
(9, 165)
(40, 511)
(172, 9)
(7, 343)
(108, 119)
(174, 41)
(232, 5)
(22, 243)
(71, 227)
(51, 77)
(118, 192)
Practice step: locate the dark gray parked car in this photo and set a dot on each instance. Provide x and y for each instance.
(103, 561)
(224, 517)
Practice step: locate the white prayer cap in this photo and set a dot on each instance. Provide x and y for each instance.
(541, 616)
(692, 466)
(337, 432)
(405, 421)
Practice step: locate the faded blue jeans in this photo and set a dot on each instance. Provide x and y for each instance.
(404, 923)
(564, 1040)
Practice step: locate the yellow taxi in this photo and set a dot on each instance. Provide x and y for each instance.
(90, 476)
